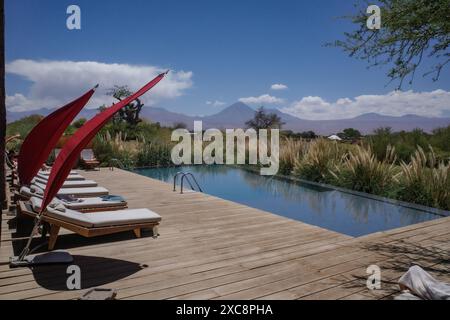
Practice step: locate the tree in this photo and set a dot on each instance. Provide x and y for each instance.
(79, 123)
(179, 125)
(411, 31)
(308, 135)
(262, 120)
(349, 134)
(2, 111)
(130, 113)
(102, 108)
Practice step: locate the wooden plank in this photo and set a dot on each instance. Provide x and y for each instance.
(212, 248)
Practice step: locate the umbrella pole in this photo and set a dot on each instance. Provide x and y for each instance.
(26, 260)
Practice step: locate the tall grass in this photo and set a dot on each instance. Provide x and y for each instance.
(154, 154)
(360, 170)
(107, 147)
(320, 156)
(423, 180)
(290, 151)
(426, 181)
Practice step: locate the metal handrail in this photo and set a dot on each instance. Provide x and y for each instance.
(175, 180)
(185, 175)
(117, 161)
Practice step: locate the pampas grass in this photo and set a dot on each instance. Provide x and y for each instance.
(422, 180)
(360, 170)
(425, 180)
(320, 156)
(290, 151)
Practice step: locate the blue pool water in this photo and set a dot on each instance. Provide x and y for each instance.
(327, 208)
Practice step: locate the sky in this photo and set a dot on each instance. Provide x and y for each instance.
(263, 53)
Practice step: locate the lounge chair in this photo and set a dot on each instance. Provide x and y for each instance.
(28, 192)
(41, 183)
(47, 172)
(88, 160)
(72, 177)
(93, 224)
(87, 204)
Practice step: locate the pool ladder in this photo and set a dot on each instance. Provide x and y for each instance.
(187, 176)
(118, 163)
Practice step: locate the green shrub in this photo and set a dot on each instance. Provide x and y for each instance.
(406, 143)
(113, 152)
(320, 157)
(425, 181)
(21, 127)
(360, 170)
(154, 154)
(290, 151)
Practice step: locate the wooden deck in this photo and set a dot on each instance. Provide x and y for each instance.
(215, 249)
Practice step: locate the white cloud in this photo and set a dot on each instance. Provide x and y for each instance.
(262, 100)
(54, 83)
(397, 103)
(279, 86)
(216, 103)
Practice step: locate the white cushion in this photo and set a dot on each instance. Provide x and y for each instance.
(105, 218)
(71, 216)
(87, 154)
(47, 172)
(25, 191)
(88, 203)
(83, 203)
(68, 184)
(70, 177)
(84, 192)
(78, 192)
(36, 204)
(57, 206)
(38, 190)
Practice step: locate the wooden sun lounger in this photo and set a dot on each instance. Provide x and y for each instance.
(17, 196)
(25, 208)
(88, 160)
(88, 192)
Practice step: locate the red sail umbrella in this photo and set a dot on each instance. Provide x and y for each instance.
(66, 160)
(71, 151)
(45, 135)
(64, 163)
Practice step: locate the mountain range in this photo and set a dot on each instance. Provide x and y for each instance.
(237, 114)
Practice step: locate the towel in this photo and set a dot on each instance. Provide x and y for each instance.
(422, 285)
(113, 198)
(69, 198)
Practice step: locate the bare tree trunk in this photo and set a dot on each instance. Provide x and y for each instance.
(2, 111)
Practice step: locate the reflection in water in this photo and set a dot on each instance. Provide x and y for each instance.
(328, 208)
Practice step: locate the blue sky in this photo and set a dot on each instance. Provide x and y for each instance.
(228, 50)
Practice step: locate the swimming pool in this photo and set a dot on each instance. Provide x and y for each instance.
(328, 208)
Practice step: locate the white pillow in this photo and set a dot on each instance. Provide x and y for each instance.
(37, 190)
(36, 204)
(58, 206)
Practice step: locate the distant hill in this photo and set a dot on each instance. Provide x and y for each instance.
(237, 114)
(14, 116)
